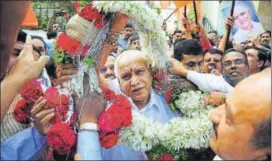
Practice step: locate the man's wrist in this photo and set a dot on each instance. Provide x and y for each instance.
(90, 119)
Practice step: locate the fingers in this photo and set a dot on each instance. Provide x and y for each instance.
(43, 113)
(40, 103)
(77, 157)
(28, 49)
(43, 60)
(67, 72)
(65, 78)
(47, 118)
(69, 66)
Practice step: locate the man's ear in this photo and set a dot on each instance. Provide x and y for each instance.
(260, 63)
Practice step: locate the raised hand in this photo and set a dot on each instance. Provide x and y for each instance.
(26, 68)
(65, 72)
(229, 22)
(178, 68)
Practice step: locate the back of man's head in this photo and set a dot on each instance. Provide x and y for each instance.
(51, 35)
(187, 47)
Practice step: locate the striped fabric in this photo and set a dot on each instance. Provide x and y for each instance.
(9, 126)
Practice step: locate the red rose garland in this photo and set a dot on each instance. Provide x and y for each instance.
(117, 116)
(32, 91)
(22, 112)
(92, 14)
(168, 95)
(61, 138)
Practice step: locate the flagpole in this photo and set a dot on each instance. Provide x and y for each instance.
(194, 3)
(171, 14)
(185, 14)
(229, 28)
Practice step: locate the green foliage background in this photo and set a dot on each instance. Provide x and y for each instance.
(44, 10)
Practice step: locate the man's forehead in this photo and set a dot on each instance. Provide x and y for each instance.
(239, 9)
(192, 58)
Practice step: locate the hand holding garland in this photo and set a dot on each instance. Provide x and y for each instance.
(42, 116)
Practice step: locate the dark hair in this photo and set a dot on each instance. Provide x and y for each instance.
(262, 135)
(40, 38)
(211, 42)
(134, 37)
(234, 50)
(177, 31)
(51, 68)
(266, 31)
(261, 55)
(214, 51)
(21, 36)
(51, 35)
(129, 25)
(215, 32)
(187, 47)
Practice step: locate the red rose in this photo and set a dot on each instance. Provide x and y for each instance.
(109, 94)
(160, 75)
(61, 138)
(52, 97)
(163, 157)
(67, 44)
(168, 95)
(64, 99)
(32, 91)
(92, 14)
(108, 140)
(22, 112)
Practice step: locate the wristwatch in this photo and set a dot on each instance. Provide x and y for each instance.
(89, 126)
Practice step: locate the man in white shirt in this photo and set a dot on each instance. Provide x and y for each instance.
(242, 126)
(243, 21)
(235, 69)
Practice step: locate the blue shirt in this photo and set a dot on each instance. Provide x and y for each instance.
(157, 109)
(122, 42)
(25, 145)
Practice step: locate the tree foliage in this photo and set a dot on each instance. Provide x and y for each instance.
(44, 10)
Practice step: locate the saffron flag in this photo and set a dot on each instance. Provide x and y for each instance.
(30, 19)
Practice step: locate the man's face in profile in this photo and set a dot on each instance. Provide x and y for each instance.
(242, 18)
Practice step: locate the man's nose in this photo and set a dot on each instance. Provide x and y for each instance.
(134, 81)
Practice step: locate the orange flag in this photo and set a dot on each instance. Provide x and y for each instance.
(30, 19)
(189, 5)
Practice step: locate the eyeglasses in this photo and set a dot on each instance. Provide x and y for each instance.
(236, 62)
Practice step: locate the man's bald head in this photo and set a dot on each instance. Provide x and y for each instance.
(243, 130)
(10, 24)
(129, 56)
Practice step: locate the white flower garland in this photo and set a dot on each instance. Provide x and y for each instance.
(178, 134)
(149, 23)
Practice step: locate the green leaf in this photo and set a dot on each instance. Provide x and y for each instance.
(89, 61)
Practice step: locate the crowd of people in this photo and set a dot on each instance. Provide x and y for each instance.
(238, 79)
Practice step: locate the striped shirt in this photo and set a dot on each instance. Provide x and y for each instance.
(9, 126)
